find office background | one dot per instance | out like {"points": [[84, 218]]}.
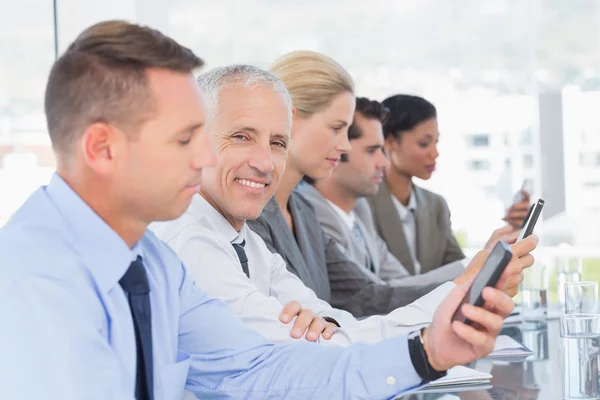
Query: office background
{"points": [[516, 84]]}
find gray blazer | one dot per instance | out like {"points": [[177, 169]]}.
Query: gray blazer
{"points": [[385, 264], [319, 262], [436, 244]]}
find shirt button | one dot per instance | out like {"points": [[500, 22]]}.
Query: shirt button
{"points": [[390, 380]]}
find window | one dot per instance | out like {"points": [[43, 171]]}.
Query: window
{"points": [[27, 52], [526, 137], [479, 165], [479, 81], [590, 136], [591, 185], [479, 140], [589, 159]]}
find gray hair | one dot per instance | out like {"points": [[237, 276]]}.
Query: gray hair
{"points": [[214, 81]]}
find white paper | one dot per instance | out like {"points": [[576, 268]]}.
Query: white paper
{"points": [[460, 375], [508, 347]]}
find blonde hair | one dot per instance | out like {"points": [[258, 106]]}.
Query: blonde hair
{"points": [[312, 79]]}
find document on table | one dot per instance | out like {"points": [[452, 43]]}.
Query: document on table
{"points": [[459, 378], [460, 375], [507, 347]]}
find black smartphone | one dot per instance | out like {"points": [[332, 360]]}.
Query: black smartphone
{"points": [[489, 275], [527, 216], [532, 216]]}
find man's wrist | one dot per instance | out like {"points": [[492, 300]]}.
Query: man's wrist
{"points": [[429, 353], [420, 359]]}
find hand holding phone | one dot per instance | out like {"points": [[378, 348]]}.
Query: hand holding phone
{"points": [[532, 216], [489, 275]]}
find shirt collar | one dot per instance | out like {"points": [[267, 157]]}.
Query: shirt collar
{"points": [[104, 252], [202, 207], [348, 219], [403, 210]]}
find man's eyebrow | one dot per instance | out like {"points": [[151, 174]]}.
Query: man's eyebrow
{"points": [[281, 136], [244, 128], [190, 128]]}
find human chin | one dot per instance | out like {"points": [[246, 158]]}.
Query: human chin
{"points": [[174, 212], [250, 210], [321, 172], [370, 189], [424, 175]]}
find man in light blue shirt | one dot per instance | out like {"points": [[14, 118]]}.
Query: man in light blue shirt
{"points": [[93, 306]]}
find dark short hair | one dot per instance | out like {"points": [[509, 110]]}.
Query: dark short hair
{"points": [[371, 109], [101, 77], [368, 109], [406, 112]]}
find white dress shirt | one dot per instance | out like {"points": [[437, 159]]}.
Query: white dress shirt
{"points": [[348, 218], [409, 225], [350, 221], [202, 238]]}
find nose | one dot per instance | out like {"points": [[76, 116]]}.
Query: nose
{"points": [[381, 160], [343, 145], [261, 158], [205, 155], [435, 153]]}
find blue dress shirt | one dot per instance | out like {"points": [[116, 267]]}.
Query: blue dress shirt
{"points": [[66, 330]]}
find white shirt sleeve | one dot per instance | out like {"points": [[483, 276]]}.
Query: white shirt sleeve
{"points": [[213, 263]]}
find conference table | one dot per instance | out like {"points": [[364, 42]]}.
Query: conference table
{"points": [[535, 377]]}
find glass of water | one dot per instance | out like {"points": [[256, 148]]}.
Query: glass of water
{"points": [[580, 336], [534, 296], [581, 297], [568, 269]]}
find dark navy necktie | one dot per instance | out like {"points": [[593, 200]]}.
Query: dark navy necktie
{"points": [[135, 283], [239, 249]]}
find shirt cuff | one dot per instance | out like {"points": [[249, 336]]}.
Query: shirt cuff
{"points": [[394, 373]]}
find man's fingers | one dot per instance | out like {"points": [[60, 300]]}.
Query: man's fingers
{"points": [[517, 265], [329, 331], [486, 319], [506, 229], [302, 323], [525, 246], [510, 238], [482, 342], [498, 302], [518, 211], [290, 310], [317, 327]]}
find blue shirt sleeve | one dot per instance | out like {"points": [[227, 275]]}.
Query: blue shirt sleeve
{"points": [[228, 360]]}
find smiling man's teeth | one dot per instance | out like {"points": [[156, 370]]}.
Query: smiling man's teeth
{"points": [[250, 184]]}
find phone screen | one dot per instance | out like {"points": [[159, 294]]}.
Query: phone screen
{"points": [[527, 216], [488, 276], [486, 273]]}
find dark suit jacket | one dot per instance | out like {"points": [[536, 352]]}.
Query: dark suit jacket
{"points": [[384, 264], [436, 244], [318, 261]]}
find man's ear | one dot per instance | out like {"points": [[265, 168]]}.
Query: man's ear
{"points": [[389, 144], [98, 147]]}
